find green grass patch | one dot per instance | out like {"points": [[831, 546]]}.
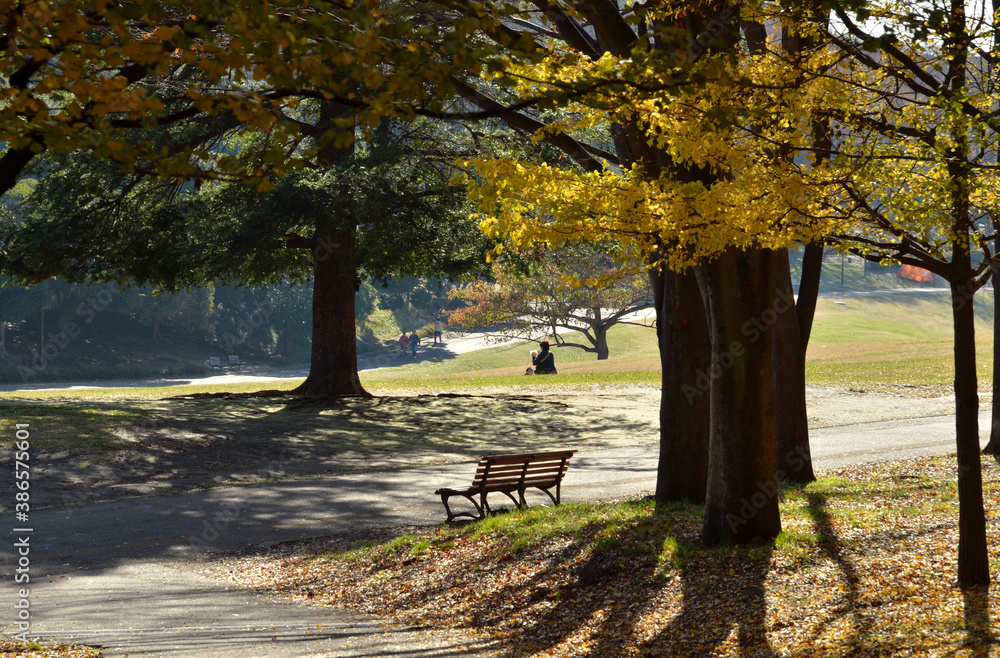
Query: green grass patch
{"points": [[851, 273], [523, 528], [631, 348], [83, 372], [893, 342], [581, 380], [71, 427], [640, 527], [901, 342]]}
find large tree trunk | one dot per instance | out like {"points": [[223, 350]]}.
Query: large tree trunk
{"points": [[682, 470], [742, 494], [333, 368], [333, 365], [789, 370]]}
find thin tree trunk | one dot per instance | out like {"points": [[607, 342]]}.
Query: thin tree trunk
{"points": [[333, 368], [973, 557], [805, 305], [993, 447], [794, 459], [742, 493], [682, 470]]}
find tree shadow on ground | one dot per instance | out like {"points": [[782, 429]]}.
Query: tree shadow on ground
{"points": [[979, 638], [866, 638], [817, 506], [717, 595], [178, 444], [721, 594]]}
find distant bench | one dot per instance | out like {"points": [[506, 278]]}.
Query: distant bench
{"points": [[234, 362], [509, 474]]}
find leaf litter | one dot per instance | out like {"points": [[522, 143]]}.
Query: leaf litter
{"points": [[865, 565]]}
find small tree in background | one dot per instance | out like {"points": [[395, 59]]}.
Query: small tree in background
{"points": [[576, 287]]}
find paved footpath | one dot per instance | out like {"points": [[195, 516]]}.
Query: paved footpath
{"points": [[127, 575]]}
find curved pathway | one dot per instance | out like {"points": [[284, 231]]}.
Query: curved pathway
{"points": [[127, 575]]}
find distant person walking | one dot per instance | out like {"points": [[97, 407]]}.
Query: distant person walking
{"points": [[414, 341], [544, 362], [403, 342], [438, 330]]}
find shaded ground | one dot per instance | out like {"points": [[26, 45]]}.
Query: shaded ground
{"points": [[865, 567], [100, 450]]}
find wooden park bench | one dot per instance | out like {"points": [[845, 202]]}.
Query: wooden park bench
{"points": [[234, 362], [509, 474], [215, 362]]}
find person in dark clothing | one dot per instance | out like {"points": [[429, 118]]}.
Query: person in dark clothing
{"points": [[544, 362], [414, 341]]}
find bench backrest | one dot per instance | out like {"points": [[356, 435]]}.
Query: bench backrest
{"points": [[234, 360], [528, 469], [214, 361]]}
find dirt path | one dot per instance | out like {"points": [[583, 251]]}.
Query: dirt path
{"points": [[146, 447]]}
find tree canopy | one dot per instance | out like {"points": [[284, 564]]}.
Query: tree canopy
{"points": [[96, 76]]}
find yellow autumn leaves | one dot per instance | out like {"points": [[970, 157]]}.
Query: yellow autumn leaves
{"points": [[736, 135]]}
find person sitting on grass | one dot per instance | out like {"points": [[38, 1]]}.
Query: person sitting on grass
{"points": [[544, 362]]}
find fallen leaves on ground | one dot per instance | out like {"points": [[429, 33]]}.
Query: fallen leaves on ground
{"points": [[36, 650], [866, 565]]}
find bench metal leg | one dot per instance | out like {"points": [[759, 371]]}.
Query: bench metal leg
{"points": [[489, 510], [452, 516]]}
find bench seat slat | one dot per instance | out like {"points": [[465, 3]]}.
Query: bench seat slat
{"points": [[532, 455], [530, 468]]}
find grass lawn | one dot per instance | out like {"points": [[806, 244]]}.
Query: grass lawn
{"points": [[896, 342], [865, 566], [899, 343], [632, 350]]}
